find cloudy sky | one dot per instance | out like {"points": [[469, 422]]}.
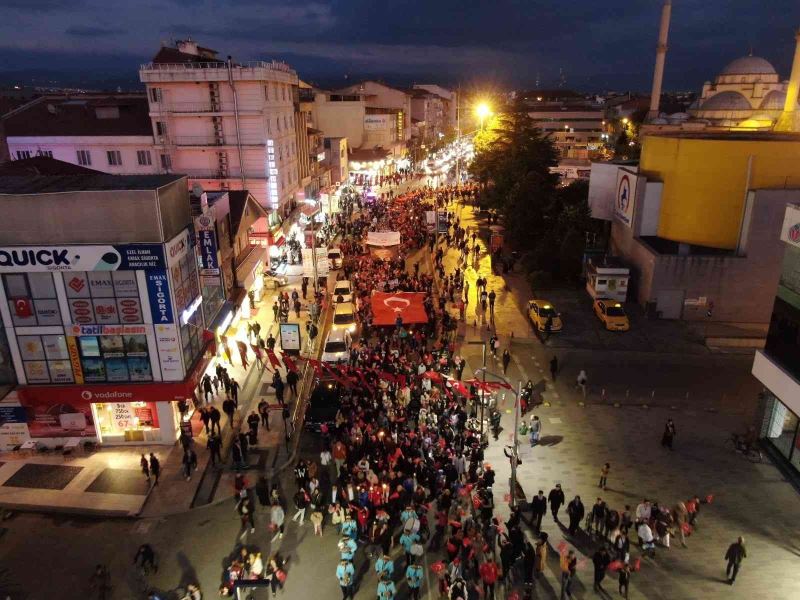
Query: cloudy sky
{"points": [[599, 44]]}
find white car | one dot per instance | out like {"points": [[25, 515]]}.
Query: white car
{"points": [[344, 289], [344, 317], [337, 346], [334, 258]]}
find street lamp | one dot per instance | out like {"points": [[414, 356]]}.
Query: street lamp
{"points": [[482, 111]]}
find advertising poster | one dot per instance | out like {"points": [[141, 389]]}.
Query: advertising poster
{"points": [[308, 263], [13, 426], [430, 221], [47, 417], [290, 337], [322, 262], [129, 257], [441, 220], [169, 352], [158, 292]]}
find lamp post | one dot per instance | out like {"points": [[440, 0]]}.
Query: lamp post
{"points": [[515, 445]]}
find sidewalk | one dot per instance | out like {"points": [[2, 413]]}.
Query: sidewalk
{"points": [[752, 500]]}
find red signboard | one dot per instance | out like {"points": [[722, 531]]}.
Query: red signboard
{"points": [[409, 306]]}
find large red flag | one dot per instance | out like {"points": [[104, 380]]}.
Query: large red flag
{"points": [[273, 359], [289, 363], [409, 306]]}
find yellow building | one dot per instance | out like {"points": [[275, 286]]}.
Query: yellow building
{"points": [[706, 177]]}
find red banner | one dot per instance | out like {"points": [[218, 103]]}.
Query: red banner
{"points": [[289, 363], [273, 359], [409, 306]]}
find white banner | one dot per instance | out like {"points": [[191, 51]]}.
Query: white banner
{"points": [[308, 262], [383, 238], [169, 352]]}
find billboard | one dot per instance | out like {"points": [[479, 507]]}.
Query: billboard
{"points": [[129, 257], [158, 292], [625, 197], [378, 122]]}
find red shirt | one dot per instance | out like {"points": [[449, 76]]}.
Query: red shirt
{"points": [[488, 571]]}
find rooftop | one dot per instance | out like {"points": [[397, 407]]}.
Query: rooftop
{"points": [[81, 115], [727, 135], [41, 165], [368, 154], [53, 184]]}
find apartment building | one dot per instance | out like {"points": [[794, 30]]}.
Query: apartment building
{"points": [[385, 99], [227, 125], [105, 132], [575, 124]]}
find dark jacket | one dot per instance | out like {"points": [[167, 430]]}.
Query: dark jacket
{"points": [[736, 553], [539, 505], [556, 497], [575, 509]]}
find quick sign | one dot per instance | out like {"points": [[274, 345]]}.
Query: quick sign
{"points": [[22, 259], [177, 247], [158, 292]]}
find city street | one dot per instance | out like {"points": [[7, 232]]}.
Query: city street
{"points": [[690, 387]]}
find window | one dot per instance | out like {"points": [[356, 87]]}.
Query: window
{"points": [[166, 162], [114, 358], [114, 158], [266, 92], [278, 123], [32, 299], [45, 358], [23, 154], [143, 158], [103, 297], [284, 122], [783, 337], [184, 281], [161, 128], [47, 153], [84, 157], [283, 92], [155, 94]]}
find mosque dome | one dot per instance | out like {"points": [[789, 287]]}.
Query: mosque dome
{"points": [[774, 100], [726, 101], [749, 65]]}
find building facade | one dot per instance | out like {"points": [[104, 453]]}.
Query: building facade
{"points": [[108, 133], [228, 126], [100, 303], [777, 366]]}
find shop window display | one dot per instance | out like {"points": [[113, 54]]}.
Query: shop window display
{"points": [[780, 429], [114, 358], [128, 420]]}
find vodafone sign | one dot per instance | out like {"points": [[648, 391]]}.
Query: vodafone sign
{"points": [[83, 394]]}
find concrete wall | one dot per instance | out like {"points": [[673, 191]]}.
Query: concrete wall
{"points": [[741, 288], [603, 189], [118, 216], [340, 119]]}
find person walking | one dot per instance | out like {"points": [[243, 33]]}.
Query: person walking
{"points": [[535, 430], [263, 413], [489, 574], [556, 500], [604, 475], [214, 416], [277, 518], [301, 502], [229, 407], [506, 360], [345, 574], [576, 512], [214, 445], [145, 467], [414, 576], [624, 580], [735, 555], [554, 368], [669, 434], [568, 564], [386, 589], [155, 468], [189, 463], [492, 298], [601, 560], [207, 388], [538, 508], [582, 381], [235, 391], [291, 380]]}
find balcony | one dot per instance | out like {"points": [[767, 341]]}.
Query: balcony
{"points": [[212, 174], [217, 71], [200, 108], [210, 140]]}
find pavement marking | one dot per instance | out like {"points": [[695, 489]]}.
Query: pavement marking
{"points": [[555, 420], [142, 527]]}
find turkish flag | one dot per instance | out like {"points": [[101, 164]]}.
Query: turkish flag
{"points": [[23, 308], [409, 306], [289, 363], [273, 359]]}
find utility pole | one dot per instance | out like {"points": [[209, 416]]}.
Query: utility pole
{"points": [[515, 450]]}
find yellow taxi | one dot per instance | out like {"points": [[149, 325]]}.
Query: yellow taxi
{"points": [[612, 314], [540, 311]]}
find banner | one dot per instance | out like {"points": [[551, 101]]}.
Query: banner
{"points": [[169, 352], [430, 221], [441, 219], [129, 257], [409, 306], [208, 252], [158, 291], [383, 238]]}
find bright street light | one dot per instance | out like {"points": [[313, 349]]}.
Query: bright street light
{"points": [[482, 111]]}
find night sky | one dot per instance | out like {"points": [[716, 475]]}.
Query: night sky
{"points": [[600, 45]]}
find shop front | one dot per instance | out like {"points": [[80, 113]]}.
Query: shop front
{"points": [[779, 428]]}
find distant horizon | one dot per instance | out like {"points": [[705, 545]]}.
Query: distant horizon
{"points": [[505, 45]]}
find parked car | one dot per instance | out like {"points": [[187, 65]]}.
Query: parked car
{"points": [[337, 346], [612, 314], [344, 289], [274, 280], [539, 311], [323, 404], [334, 258], [344, 317]]}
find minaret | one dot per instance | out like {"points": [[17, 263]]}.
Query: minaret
{"points": [[788, 119], [661, 55]]}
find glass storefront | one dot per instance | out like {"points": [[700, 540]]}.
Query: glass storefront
{"points": [[780, 428], [126, 421]]}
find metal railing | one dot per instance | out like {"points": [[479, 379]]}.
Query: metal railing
{"points": [[211, 140], [198, 66]]}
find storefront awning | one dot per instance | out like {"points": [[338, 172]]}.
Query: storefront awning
{"points": [[246, 271]]}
